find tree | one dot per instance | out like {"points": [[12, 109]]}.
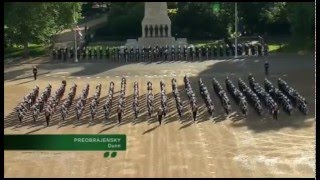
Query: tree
{"points": [[124, 21], [36, 22], [301, 16]]}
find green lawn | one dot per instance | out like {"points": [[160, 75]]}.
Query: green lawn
{"points": [[274, 47], [17, 51], [287, 47]]}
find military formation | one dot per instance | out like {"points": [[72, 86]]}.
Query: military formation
{"points": [[251, 96], [268, 101], [53, 102], [226, 104], [135, 103], [150, 99], [95, 101], [82, 101], [271, 97], [177, 97], [120, 109], [163, 109], [238, 96], [206, 97], [191, 96], [28, 101], [68, 102], [108, 103], [156, 53], [282, 99], [299, 101]]}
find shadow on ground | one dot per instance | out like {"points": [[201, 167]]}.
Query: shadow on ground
{"points": [[279, 67]]}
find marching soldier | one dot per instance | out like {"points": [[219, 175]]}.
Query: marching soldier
{"points": [[119, 111], [35, 71], [194, 111]]}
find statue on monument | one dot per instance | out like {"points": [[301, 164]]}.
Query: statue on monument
{"points": [[156, 27]]}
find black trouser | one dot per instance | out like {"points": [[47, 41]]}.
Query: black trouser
{"points": [[194, 115], [179, 112], [266, 69], [47, 119], [275, 115], [35, 76], [119, 117], [159, 118]]}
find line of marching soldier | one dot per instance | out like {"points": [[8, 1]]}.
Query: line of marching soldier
{"points": [[222, 95], [299, 101], [81, 103], [28, 101], [121, 106], [251, 96], [38, 107], [135, 103], [54, 101], [266, 98], [95, 102], [163, 109], [278, 96], [108, 103], [68, 102], [157, 53], [150, 98], [206, 97], [176, 96], [191, 96], [238, 96]]}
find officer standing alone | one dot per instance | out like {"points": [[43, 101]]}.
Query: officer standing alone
{"points": [[35, 71], [266, 67]]}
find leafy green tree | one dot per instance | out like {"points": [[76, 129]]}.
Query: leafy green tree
{"points": [[301, 16], [124, 21], [36, 22]]}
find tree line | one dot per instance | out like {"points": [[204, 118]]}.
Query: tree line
{"points": [[37, 22], [198, 20]]}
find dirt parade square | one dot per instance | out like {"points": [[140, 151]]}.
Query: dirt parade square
{"points": [[159, 90], [227, 126]]}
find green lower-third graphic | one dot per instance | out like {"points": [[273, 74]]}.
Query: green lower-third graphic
{"points": [[67, 142]]}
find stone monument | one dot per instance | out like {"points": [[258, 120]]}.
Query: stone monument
{"points": [[156, 27]]}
